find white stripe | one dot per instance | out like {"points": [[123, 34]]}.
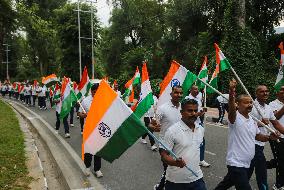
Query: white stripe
{"points": [[145, 89], [180, 76], [222, 56], [117, 113]]}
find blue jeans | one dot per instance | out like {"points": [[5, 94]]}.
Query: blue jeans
{"points": [[196, 185], [259, 164]]}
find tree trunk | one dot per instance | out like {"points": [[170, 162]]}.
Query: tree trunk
{"points": [[241, 13]]}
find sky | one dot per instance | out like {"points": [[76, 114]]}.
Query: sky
{"points": [[104, 12]]}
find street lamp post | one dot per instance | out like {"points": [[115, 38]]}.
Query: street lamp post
{"points": [[7, 60]]}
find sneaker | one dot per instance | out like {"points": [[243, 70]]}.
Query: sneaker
{"points": [[154, 148], [67, 135], [99, 174], [45, 108], [78, 117], [56, 131], [71, 125], [81, 132], [204, 164], [156, 186], [274, 187], [40, 108], [143, 141], [87, 172]]}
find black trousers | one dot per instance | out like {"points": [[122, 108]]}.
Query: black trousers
{"points": [[278, 152], [28, 99], [258, 164], [147, 122], [163, 177], [88, 161], [34, 99], [65, 123], [237, 177], [71, 115]]}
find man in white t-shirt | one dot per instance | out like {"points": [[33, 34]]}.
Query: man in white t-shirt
{"points": [[222, 107], [197, 96], [277, 148], [147, 119], [243, 131], [167, 115], [264, 113], [184, 139], [86, 104]]}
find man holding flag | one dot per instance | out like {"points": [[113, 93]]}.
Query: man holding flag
{"points": [[86, 104]]}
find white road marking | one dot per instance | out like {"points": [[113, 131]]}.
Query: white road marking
{"points": [[211, 153]]}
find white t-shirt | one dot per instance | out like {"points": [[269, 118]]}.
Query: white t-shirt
{"points": [[4, 88], [267, 114], [185, 143], [198, 98], [241, 145], [151, 111], [27, 90], [168, 115], [86, 103], [223, 100], [276, 105], [34, 90]]}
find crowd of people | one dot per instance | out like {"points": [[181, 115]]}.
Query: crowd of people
{"points": [[180, 127]]}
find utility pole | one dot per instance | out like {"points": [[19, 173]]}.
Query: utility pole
{"points": [[7, 60], [79, 38], [86, 38]]}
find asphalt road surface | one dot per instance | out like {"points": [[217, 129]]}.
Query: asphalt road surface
{"points": [[139, 168]]}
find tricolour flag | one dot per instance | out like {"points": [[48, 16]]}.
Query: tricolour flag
{"points": [[84, 85], [222, 64], [177, 76], [221, 59], [68, 98], [128, 95], [280, 80], [111, 127], [146, 99], [203, 74], [56, 94], [49, 79]]}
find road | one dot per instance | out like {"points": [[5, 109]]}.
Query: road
{"points": [[139, 168]]}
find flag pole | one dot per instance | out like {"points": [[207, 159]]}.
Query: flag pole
{"points": [[247, 92], [167, 149], [254, 118]]}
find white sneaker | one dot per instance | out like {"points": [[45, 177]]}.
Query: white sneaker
{"points": [[99, 174], [67, 135], [275, 188], [143, 141], [56, 131], [72, 125], [156, 186], [87, 172], [154, 148], [204, 164]]}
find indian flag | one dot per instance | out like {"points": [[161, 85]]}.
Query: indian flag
{"points": [[222, 64], [177, 76], [203, 74], [49, 79], [56, 94], [280, 80], [146, 97], [68, 97], [221, 59], [128, 95], [84, 85], [214, 80], [111, 127]]}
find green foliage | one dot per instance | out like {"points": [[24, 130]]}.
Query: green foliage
{"points": [[13, 171]]}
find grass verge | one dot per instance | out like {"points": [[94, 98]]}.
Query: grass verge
{"points": [[13, 170]]}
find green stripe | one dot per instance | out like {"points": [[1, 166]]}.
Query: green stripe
{"points": [[67, 103], [136, 80], [125, 136], [144, 105], [279, 85], [188, 82], [213, 83], [224, 64]]}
